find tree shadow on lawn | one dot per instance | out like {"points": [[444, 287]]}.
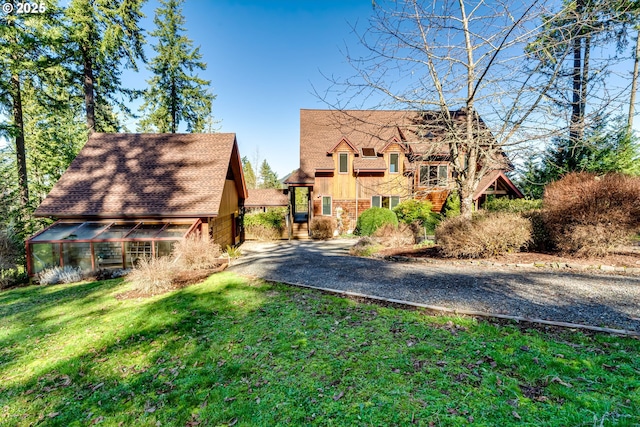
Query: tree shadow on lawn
{"points": [[540, 294], [194, 356], [181, 320]]}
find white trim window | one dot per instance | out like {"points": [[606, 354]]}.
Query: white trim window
{"points": [[326, 205], [434, 175], [394, 163], [343, 160], [388, 202]]}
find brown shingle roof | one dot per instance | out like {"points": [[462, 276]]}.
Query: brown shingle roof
{"points": [[146, 175], [260, 197], [321, 130]]}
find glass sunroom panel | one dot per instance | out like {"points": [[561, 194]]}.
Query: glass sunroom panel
{"points": [[77, 255], [44, 255], [117, 230], [175, 230], [57, 231], [87, 231], [165, 247], [137, 251], [108, 254], [145, 231]]}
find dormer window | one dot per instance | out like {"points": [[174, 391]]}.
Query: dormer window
{"points": [[344, 162], [394, 163]]}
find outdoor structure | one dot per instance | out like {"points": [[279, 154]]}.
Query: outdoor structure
{"points": [[354, 159], [261, 199], [127, 196]]}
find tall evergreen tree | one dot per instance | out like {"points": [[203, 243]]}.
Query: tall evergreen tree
{"points": [[249, 175], [28, 52], [268, 178], [103, 37], [175, 93]]}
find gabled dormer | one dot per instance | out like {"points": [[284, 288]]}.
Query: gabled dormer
{"points": [[394, 153], [343, 153]]}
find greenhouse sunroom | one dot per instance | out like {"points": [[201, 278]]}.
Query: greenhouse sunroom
{"points": [[97, 245]]}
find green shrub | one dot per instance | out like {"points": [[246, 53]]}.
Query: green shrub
{"points": [[411, 211], [451, 207], [486, 234], [504, 204], [374, 218], [12, 277], [590, 215], [267, 225], [322, 227]]}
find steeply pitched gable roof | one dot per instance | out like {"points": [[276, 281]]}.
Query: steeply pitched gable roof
{"points": [[321, 130], [147, 175]]}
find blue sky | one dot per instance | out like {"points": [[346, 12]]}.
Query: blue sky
{"points": [[263, 59]]}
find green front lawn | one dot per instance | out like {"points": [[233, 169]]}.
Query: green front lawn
{"points": [[231, 351]]}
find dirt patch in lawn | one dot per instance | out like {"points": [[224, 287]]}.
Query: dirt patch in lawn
{"points": [[182, 280], [625, 257]]}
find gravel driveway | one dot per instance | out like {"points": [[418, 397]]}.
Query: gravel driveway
{"points": [[594, 299]]}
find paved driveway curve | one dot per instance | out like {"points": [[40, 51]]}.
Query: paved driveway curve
{"points": [[593, 299]]}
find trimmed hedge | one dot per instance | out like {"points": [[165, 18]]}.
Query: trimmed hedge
{"points": [[504, 204], [374, 218], [267, 225]]}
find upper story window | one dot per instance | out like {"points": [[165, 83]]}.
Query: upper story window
{"points": [[394, 163], [344, 162], [433, 175]]}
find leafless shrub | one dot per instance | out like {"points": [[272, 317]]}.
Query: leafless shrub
{"points": [[587, 215], [391, 236], [322, 227], [366, 246], [153, 275], [486, 234], [194, 253], [262, 232]]}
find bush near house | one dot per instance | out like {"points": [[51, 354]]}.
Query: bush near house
{"points": [[322, 227], [411, 210], [486, 234], [267, 225], [374, 218], [589, 215], [391, 236], [530, 209]]}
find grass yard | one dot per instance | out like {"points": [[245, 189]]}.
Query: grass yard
{"points": [[231, 351]]}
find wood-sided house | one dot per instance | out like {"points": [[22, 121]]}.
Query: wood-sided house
{"points": [[353, 160], [127, 196]]}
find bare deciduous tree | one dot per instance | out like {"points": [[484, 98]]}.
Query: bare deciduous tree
{"points": [[471, 66]]}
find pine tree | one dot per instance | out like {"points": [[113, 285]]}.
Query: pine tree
{"points": [[175, 94], [28, 52], [249, 175], [103, 36], [268, 178]]}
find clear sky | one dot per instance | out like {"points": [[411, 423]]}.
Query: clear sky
{"points": [[263, 59]]}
